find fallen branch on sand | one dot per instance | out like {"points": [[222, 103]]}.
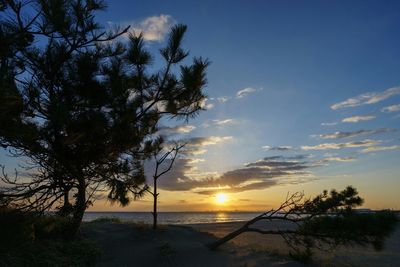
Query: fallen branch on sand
{"points": [[323, 222]]}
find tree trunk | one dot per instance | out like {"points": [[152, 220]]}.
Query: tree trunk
{"points": [[79, 209], [155, 195], [226, 238], [66, 209]]}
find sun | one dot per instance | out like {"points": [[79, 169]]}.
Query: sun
{"points": [[221, 198]]}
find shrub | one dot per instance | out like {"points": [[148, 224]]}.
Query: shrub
{"points": [[27, 239]]}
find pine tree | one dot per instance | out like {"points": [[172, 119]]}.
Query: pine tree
{"points": [[82, 106]]}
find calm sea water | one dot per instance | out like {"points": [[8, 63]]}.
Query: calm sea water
{"points": [[174, 217]]}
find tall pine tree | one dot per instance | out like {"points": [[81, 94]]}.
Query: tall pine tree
{"points": [[82, 107]]}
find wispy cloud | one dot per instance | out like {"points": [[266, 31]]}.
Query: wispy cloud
{"points": [[339, 159], [153, 28], [367, 98], [380, 148], [177, 129], [339, 135], [277, 148], [244, 92], [193, 151], [392, 108], [328, 123], [355, 119], [223, 99], [195, 160], [195, 145], [223, 122], [324, 146], [206, 141]]}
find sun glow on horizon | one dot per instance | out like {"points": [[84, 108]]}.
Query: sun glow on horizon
{"points": [[221, 198]]}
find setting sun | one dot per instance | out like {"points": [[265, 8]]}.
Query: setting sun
{"points": [[221, 198]]}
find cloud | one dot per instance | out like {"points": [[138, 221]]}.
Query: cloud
{"points": [[287, 164], [328, 123], [193, 151], [223, 99], [206, 105], [338, 135], [177, 179], [180, 129], [367, 98], [277, 148], [195, 145], [223, 122], [206, 141], [244, 92], [339, 159], [325, 146], [296, 157], [380, 148], [392, 108], [262, 174], [209, 106], [153, 28], [355, 119], [194, 161], [258, 175]]}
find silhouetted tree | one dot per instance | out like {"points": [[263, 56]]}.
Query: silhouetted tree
{"points": [[322, 222], [81, 107], [164, 156]]}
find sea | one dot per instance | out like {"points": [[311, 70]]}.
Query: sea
{"points": [[173, 217]]}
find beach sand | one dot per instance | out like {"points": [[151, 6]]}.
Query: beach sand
{"points": [[124, 244], [342, 256]]}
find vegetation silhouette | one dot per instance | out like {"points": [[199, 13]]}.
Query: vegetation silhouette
{"points": [[28, 239], [323, 222], [82, 104], [164, 157]]}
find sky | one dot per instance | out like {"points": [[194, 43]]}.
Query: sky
{"points": [[302, 96]]}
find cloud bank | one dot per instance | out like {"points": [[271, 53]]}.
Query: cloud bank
{"points": [[258, 175]]}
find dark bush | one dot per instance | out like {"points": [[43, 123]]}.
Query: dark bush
{"points": [[27, 239], [16, 227]]}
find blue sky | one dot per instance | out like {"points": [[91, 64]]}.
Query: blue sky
{"points": [[297, 59], [318, 79]]}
